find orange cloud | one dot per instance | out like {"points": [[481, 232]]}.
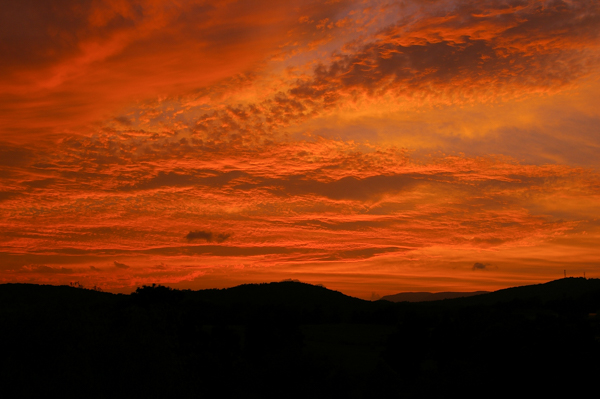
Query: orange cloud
{"points": [[66, 67], [456, 55], [356, 144], [295, 204]]}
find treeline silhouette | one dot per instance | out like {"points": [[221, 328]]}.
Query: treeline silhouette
{"points": [[291, 339]]}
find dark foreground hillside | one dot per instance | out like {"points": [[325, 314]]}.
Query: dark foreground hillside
{"points": [[296, 340]]}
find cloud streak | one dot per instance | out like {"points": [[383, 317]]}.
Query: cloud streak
{"points": [[480, 266], [474, 52], [119, 265], [208, 236]]}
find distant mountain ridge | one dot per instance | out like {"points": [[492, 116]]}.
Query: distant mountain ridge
{"points": [[259, 340], [290, 293], [294, 294], [279, 300], [428, 296], [565, 288]]}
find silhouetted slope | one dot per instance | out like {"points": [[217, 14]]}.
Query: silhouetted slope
{"points": [[159, 342], [291, 339], [236, 304], [537, 339], [570, 288], [567, 288], [33, 295], [304, 303], [428, 296], [287, 293]]}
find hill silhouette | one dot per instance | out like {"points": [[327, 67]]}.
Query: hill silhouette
{"points": [[259, 340], [570, 288], [428, 296], [34, 295], [566, 288], [286, 293], [296, 294]]}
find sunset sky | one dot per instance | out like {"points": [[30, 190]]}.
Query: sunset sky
{"points": [[373, 147]]}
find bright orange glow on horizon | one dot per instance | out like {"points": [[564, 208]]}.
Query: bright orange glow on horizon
{"points": [[370, 146]]}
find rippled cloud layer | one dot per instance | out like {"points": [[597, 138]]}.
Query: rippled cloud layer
{"points": [[369, 146]]}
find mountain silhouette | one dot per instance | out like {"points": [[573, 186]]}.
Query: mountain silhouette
{"points": [[570, 288], [428, 296], [288, 293], [295, 340]]}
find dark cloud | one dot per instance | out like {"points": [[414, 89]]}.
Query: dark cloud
{"points": [[162, 266], [349, 187], [480, 266], [44, 165], [36, 33], [43, 183], [11, 155], [519, 48], [7, 195], [120, 265], [208, 236], [472, 52], [123, 120]]}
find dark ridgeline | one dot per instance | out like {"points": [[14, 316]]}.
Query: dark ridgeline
{"points": [[428, 296], [291, 339]]}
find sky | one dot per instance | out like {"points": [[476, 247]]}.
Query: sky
{"points": [[373, 146]]}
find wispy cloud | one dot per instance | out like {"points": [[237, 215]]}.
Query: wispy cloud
{"points": [[348, 138], [208, 236], [480, 266], [119, 265]]}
